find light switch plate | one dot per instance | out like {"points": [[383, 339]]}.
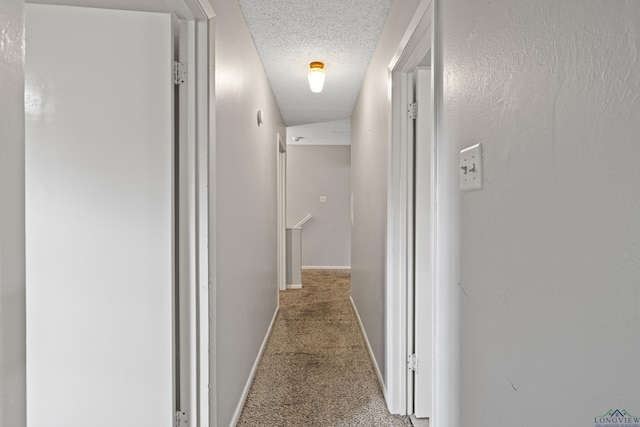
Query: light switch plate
{"points": [[471, 168], [323, 199]]}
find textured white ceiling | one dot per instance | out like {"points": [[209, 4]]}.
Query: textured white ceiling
{"points": [[289, 34], [327, 133]]}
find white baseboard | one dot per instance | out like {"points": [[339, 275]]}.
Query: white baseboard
{"points": [[294, 286], [247, 387], [419, 422], [371, 355], [326, 267]]}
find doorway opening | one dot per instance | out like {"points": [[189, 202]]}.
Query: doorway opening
{"points": [[420, 325], [102, 185], [318, 198]]}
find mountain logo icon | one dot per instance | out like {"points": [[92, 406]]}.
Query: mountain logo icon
{"points": [[617, 413]]}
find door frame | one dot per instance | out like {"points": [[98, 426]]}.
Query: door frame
{"points": [[282, 213], [422, 35], [196, 100], [413, 47], [421, 338], [146, 311], [197, 369], [399, 255]]}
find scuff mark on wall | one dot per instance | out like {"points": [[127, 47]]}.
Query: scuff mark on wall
{"points": [[464, 292]]}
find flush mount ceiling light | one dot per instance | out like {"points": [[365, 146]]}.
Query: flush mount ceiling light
{"points": [[316, 76]]}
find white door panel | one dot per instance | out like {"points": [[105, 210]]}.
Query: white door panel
{"points": [[424, 250], [99, 180]]}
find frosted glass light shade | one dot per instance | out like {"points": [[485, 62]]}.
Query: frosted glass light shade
{"points": [[316, 76]]}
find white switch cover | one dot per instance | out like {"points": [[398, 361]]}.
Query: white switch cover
{"points": [[323, 199], [471, 168]]}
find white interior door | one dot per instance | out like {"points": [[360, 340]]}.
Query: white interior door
{"points": [[99, 218], [424, 247]]}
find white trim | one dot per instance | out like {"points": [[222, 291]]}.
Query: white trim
{"points": [[281, 158], [419, 39], [197, 104], [447, 316], [326, 267], [302, 222], [186, 243], [424, 246], [424, 32], [399, 262], [208, 185], [298, 286], [206, 138], [252, 374], [192, 10], [419, 422], [371, 355], [399, 244], [207, 9]]}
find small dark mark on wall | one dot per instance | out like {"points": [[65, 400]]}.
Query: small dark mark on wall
{"points": [[463, 292]]}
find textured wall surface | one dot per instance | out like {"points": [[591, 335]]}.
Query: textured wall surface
{"points": [[12, 264], [551, 244], [369, 139], [314, 171], [246, 205]]}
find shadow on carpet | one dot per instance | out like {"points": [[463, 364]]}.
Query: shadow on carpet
{"points": [[315, 370]]}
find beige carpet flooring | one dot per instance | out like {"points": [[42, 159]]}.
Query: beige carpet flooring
{"points": [[316, 370]]}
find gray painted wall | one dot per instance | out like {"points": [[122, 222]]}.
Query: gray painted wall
{"points": [[369, 142], [313, 171], [12, 255], [550, 246], [245, 184]]}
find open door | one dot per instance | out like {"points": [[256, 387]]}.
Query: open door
{"points": [[99, 218]]}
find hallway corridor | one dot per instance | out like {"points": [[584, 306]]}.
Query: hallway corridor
{"points": [[316, 370]]}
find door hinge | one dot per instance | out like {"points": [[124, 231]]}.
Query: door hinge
{"points": [[413, 110], [179, 73], [412, 362], [182, 420]]}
